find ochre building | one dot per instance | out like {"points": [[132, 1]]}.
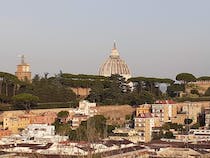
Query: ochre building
{"points": [[23, 70]]}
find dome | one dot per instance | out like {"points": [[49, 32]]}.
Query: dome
{"points": [[114, 65]]}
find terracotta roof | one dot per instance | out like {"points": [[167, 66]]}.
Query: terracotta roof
{"points": [[165, 102]]}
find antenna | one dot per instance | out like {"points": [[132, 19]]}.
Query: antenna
{"points": [[22, 58], [114, 45], [114, 51]]}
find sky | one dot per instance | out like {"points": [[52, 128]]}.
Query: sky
{"points": [[156, 38]]}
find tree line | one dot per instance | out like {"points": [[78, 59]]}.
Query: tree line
{"points": [[104, 90]]}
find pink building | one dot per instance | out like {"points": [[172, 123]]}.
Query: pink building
{"points": [[45, 118], [4, 133]]}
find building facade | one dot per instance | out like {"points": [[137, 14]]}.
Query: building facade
{"points": [[164, 111], [143, 109], [195, 135], [15, 124], [39, 130], [207, 118], [144, 124]]}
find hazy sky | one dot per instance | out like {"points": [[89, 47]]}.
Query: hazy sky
{"points": [[156, 37]]}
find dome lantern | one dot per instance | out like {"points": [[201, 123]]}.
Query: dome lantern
{"points": [[114, 52]]}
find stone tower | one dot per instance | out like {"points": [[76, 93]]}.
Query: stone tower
{"points": [[23, 70]]}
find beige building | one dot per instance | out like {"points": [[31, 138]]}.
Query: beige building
{"points": [[155, 115], [207, 117], [179, 118], [165, 111], [125, 133], [193, 110], [195, 135], [15, 124], [23, 70]]}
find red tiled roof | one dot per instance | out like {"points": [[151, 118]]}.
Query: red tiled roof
{"points": [[165, 102]]}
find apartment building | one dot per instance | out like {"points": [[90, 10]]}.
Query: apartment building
{"points": [[195, 135], [144, 124], [165, 111]]}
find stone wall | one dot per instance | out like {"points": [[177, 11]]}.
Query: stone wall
{"points": [[115, 114], [36, 111], [201, 86]]}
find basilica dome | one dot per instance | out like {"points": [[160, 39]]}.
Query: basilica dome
{"points": [[114, 65]]}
